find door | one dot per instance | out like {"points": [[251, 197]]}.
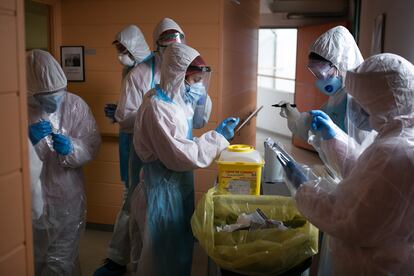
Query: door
{"points": [[16, 249]]}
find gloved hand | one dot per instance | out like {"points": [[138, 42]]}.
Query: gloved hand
{"points": [[291, 114], [62, 144], [294, 174], [39, 130], [322, 123], [227, 126], [110, 111]]}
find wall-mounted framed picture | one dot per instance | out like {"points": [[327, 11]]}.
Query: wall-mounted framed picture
{"points": [[72, 59], [377, 42]]}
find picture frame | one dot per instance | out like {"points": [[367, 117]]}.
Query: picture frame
{"points": [[377, 42], [72, 60]]}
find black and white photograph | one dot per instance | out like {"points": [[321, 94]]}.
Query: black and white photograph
{"points": [[72, 60]]}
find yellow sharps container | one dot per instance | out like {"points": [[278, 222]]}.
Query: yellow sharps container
{"points": [[240, 170]]}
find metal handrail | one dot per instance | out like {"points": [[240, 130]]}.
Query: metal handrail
{"points": [[275, 77]]}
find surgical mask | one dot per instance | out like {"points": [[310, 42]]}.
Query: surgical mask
{"points": [[193, 92], [50, 102], [126, 60], [330, 85]]}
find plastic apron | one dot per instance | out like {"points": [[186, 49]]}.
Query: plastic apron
{"points": [[337, 112], [168, 241]]}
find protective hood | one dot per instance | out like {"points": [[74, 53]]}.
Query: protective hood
{"points": [[132, 38], [338, 46], [164, 25], [384, 86], [176, 59], [43, 73]]}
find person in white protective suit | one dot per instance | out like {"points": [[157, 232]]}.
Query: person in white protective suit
{"points": [[330, 56], [170, 154], [165, 33], [140, 74], [369, 214], [65, 136]]}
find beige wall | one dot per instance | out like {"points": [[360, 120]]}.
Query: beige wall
{"points": [[213, 27], [15, 212], [240, 53], [399, 26]]}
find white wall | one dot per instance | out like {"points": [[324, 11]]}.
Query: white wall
{"points": [[399, 26], [269, 118]]}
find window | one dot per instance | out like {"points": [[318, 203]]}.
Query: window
{"points": [[277, 59]]}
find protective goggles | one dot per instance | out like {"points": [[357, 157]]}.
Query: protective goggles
{"points": [[168, 39], [197, 69], [322, 70]]}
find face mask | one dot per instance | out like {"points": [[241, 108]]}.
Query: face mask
{"points": [[126, 60], [51, 102], [329, 86], [194, 92]]}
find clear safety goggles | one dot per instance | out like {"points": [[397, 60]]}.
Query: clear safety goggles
{"points": [[168, 39], [322, 70]]}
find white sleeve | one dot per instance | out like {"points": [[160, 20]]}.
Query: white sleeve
{"points": [[301, 125], [131, 99], [85, 139], [369, 207], [339, 153], [169, 130]]}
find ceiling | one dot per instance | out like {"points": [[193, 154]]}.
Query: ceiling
{"points": [[295, 13]]}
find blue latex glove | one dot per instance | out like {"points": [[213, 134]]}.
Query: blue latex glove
{"points": [[322, 123], [227, 126], [294, 174], [62, 144], [39, 130], [110, 111]]}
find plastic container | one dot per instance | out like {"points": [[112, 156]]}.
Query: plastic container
{"points": [[240, 170], [273, 171], [261, 252]]}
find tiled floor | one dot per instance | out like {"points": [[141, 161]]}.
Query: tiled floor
{"points": [[93, 248], [94, 243]]}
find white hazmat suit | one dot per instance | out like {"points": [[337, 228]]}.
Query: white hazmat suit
{"points": [[169, 156], [337, 46], [369, 214], [135, 83], [57, 232]]}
